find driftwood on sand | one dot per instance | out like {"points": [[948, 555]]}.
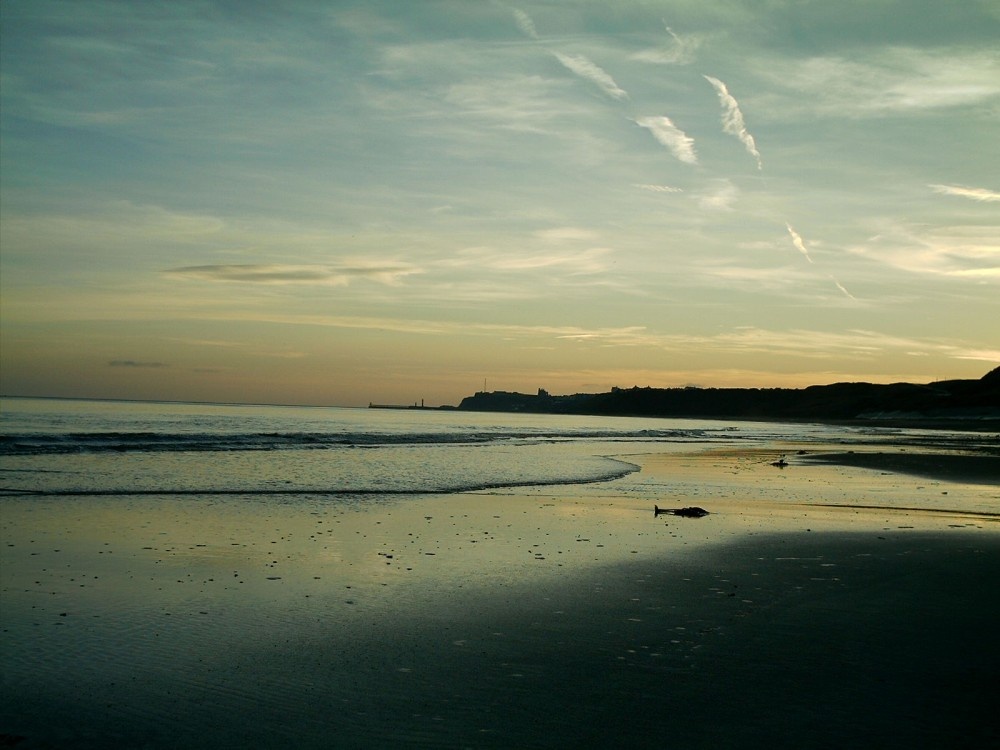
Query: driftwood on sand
{"points": [[691, 512]]}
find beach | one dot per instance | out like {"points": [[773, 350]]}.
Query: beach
{"points": [[818, 605]]}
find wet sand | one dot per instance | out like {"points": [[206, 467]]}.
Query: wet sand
{"points": [[550, 618], [960, 467]]}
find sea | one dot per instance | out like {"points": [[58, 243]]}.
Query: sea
{"points": [[63, 447]]}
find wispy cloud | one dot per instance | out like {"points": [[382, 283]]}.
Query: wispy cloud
{"points": [[736, 273], [136, 364], [960, 252], [841, 287], [857, 343], [221, 343], [385, 273], [675, 139], [589, 261], [611, 336], [514, 102], [798, 241], [679, 51], [560, 234], [976, 194], [586, 262], [592, 72], [719, 196], [795, 283], [732, 119], [897, 79], [524, 23], [659, 188], [251, 348], [795, 342]]}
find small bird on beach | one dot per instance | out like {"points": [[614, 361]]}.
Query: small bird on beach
{"points": [[781, 463]]}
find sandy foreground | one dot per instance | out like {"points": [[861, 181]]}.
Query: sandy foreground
{"points": [[820, 605]]}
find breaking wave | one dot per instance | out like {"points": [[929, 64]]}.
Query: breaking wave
{"points": [[153, 442]]}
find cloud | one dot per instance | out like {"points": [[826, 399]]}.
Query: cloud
{"points": [[659, 188], [736, 273], [387, 273], [590, 261], [680, 51], [798, 241], [588, 70], [796, 342], [206, 342], [266, 274], [560, 234], [795, 283], [732, 119], [976, 194], [897, 79], [524, 23], [134, 363], [587, 262], [720, 196], [621, 336], [513, 102], [841, 287], [960, 252], [852, 343], [979, 355], [668, 134], [801, 245]]}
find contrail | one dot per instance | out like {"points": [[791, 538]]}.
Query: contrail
{"points": [[976, 194], [671, 136], [798, 242], [671, 32], [680, 52], [524, 23], [732, 119], [594, 73], [801, 245], [841, 288]]}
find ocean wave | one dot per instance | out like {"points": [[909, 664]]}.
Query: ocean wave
{"points": [[608, 470], [156, 442]]}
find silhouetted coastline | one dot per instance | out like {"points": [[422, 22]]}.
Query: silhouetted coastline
{"points": [[961, 404]]}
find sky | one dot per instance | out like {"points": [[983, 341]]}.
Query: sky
{"points": [[401, 200]]}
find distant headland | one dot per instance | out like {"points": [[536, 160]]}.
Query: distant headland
{"points": [[373, 405], [974, 403]]}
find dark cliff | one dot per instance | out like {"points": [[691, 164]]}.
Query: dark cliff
{"points": [[942, 400]]}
